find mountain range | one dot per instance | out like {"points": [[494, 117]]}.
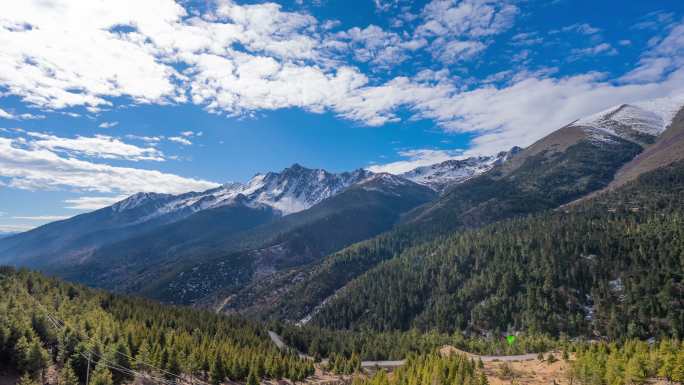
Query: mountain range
{"points": [[306, 245]]}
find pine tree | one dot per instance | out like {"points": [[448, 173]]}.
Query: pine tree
{"points": [[218, 372], [636, 371], [615, 372], [101, 375], [120, 357], [67, 376], [252, 378], [26, 379], [678, 371], [22, 351], [144, 357], [667, 366], [38, 359]]}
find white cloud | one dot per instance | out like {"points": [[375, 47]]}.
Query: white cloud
{"points": [[665, 55], [473, 18], [93, 203], [385, 5], [582, 28], [42, 218], [521, 113], [14, 228], [7, 115], [180, 140], [527, 38], [655, 20], [148, 139], [599, 49], [108, 124], [460, 28], [417, 158], [41, 169], [98, 146], [238, 59], [377, 46], [64, 53]]}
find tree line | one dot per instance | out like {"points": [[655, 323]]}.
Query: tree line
{"points": [[611, 266], [631, 363], [45, 322]]}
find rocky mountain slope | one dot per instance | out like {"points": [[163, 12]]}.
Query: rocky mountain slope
{"points": [[292, 190], [608, 266], [442, 175], [285, 244], [233, 240], [568, 164]]}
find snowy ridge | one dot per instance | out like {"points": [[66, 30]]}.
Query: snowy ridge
{"points": [[650, 117], [442, 175], [294, 189], [299, 188]]}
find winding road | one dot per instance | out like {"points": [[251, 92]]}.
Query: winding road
{"points": [[280, 343]]}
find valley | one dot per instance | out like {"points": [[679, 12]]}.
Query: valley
{"points": [[573, 244]]}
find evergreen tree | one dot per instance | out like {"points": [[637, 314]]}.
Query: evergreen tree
{"points": [[218, 372], [101, 375], [636, 370], [67, 376], [26, 379], [678, 370], [252, 379]]}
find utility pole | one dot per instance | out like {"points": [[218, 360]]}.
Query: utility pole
{"points": [[88, 371]]}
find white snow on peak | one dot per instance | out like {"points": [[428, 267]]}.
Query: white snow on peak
{"points": [[439, 176], [294, 189], [383, 182], [650, 117], [137, 200]]}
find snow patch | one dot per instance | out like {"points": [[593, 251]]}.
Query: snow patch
{"points": [[442, 175], [649, 117]]}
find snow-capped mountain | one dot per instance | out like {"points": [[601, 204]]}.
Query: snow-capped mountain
{"points": [[633, 122], [442, 175], [294, 189]]}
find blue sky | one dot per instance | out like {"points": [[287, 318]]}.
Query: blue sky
{"points": [[99, 100]]}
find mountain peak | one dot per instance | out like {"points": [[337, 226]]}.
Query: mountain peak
{"points": [[137, 200], [439, 176], [631, 121]]}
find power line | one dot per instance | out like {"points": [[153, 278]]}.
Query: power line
{"points": [[59, 325]]}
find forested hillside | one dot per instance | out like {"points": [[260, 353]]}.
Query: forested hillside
{"points": [[556, 170], [610, 266], [432, 369], [47, 323], [634, 362]]}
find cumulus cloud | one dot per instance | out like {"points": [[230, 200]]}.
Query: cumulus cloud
{"points": [[41, 169], [377, 46], [26, 116], [58, 54], [108, 124], [238, 59], [460, 28], [599, 49], [581, 28], [180, 140], [521, 113], [664, 56], [98, 146]]}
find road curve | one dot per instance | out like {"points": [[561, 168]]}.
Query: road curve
{"points": [[278, 341]]}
